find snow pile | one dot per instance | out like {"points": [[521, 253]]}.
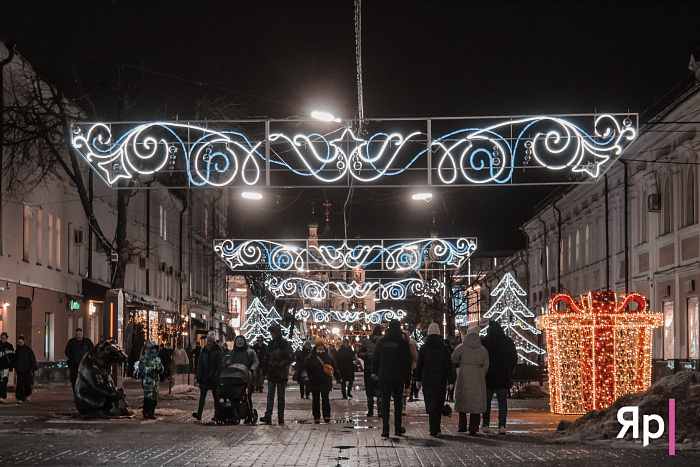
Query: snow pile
{"points": [[531, 391], [684, 387], [180, 391]]}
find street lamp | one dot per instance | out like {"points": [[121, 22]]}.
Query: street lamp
{"points": [[324, 116], [251, 195]]}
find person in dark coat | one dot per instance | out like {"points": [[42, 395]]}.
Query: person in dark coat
{"points": [[434, 374], [25, 366], [314, 375], [503, 356], [345, 358], [166, 358], [261, 351], [391, 367], [366, 352], [207, 368], [195, 357], [300, 358], [7, 358], [279, 357], [76, 348]]}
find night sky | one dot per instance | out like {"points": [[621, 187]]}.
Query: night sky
{"points": [[420, 59]]}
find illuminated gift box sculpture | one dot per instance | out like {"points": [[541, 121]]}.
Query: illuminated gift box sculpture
{"points": [[597, 350]]}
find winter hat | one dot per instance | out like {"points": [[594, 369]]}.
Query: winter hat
{"points": [[394, 325], [377, 331], [434, 328], [473, 330], [20, 337], [211, 336], [320, 341], [4, 334], [150, 345]]}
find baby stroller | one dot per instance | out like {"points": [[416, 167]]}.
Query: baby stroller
{"points": [[233, 396]]}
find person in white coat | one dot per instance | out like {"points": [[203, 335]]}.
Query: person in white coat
{"points": [[472, 360]]}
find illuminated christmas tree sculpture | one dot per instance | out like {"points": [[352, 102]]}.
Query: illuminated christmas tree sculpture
{"points": [[293, 336], [258, 320], [510, 312], [418, 337]]}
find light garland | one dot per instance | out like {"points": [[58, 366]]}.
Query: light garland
{"points": [[259, 320], [509, 311], [417, 336], [293, 336], [473, 155], [597, 351], [349, 316], [316, 290], [380, 254]]}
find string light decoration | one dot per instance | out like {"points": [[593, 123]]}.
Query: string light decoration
{"points": [[349, 316], [417, 336], [510, 312], [310, 289], [597, 350], [258, 320], [293, 336], [480, 152], [384, 255]]}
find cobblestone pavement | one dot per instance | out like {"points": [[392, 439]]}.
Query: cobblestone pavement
{"points": [[46, 431]]}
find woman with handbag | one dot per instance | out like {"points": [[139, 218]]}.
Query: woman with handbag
{"points": [[434, 375], [319, 369]]}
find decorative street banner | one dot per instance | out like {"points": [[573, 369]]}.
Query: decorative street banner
{"points": [[597, 350], [349, 316], [309, 289], [390, 152], [372, 254]]}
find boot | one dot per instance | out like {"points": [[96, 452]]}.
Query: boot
{"points": [[146, 408], [370, 406], [152, 412]]}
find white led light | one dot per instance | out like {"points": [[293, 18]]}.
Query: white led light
{"points": [[422, 197], [324, 116], [251, 195]]}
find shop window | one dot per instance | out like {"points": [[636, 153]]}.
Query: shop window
{"points": [[49, 335]]}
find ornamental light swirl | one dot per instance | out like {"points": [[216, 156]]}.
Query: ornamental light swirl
{"points": [[412, 255], [469, 155], [349, 316], [310, 289]]}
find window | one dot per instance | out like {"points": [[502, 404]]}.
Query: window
{"points": [[667, 209], [49, 236], [693, 328], [38, 212], [690, 217], [58, 243], [668, 329], [578, 247], [49, 335], [163, 223], [587, 245], [643, 219], [25, 242]]}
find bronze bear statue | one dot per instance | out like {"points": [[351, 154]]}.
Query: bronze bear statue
{"points": [[95, 391]]}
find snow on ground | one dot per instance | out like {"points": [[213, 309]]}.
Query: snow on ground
{"points": [[684, 387]]}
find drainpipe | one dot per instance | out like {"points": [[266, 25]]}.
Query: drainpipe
{"points": [[627, 255], [559, 246], [10, 46], [607, 237]]}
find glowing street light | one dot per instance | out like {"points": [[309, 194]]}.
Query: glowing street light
{"points": [[324, 116], [251, 195], [422, 197]]}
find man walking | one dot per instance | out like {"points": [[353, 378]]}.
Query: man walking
{"points": [[207, 371], [391, 366], [365, 352], [279, 357], [76, 349], [7, 357], [503, 357], [261, 352], [345, 359]]}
